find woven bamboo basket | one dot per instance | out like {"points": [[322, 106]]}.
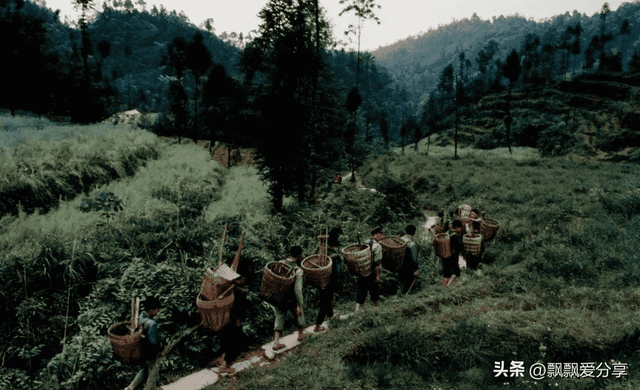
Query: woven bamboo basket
{"points": [[213, 285], [489, 228], [277, 282], [317, 270], [463, 211], [472, 243], [216, 314], [358, 259], [442, 245], [126, 346], [393, 249]]}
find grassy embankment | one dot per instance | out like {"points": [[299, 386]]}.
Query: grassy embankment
{"points": [[561, 284], [44, 163]]}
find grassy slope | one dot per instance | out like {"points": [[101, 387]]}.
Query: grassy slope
{"points": [[567, 255], [560, 287], [44, 164], [593, 115]]}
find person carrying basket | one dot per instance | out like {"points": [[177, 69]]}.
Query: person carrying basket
{"points": [[232, 340], [408, 272], [370, 284], [474, 259], [151, 344], [294, 303], [450, 266], [326, 294]]}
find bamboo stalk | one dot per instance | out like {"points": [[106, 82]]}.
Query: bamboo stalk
{"points": [[224, 238]]}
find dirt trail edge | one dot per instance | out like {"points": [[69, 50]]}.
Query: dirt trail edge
{"points": [[257, 358]]}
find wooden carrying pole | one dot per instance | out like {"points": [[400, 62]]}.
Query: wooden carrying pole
{"points": [[236, 260], [323, 243], [224, 238], [135, 313]]}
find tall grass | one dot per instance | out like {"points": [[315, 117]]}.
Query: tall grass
{"points": [[40, 167]]}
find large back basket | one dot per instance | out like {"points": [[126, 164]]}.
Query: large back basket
{"points": [[277, 282], [442, 245], [393, 249], [489, 228], [472, 243], [127, 346], [216, 314], [357, 257], [317, 270], [464, 211]]}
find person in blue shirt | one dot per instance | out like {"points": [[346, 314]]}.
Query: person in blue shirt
{"points": [[151, 344]]}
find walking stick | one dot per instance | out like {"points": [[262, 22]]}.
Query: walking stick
{"points": [[409, 290], [153, 373]]}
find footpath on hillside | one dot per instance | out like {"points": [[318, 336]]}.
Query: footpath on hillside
{"points": [[265, 355]]}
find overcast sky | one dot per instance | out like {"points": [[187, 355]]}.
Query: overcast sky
{"points": [[399, 18]]}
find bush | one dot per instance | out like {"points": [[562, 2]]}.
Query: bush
{"points": [[557, 140]]}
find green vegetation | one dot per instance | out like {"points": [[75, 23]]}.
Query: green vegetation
{"points": [[560, 285], [42, 166]]}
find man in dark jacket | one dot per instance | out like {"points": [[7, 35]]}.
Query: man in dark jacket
{"points": [[232, 340], [326, 294], [370, 284]]}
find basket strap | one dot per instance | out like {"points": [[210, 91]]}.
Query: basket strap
{"points": [[226, 291]]}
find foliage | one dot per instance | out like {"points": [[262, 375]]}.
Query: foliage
{"points": [[40, 168]]}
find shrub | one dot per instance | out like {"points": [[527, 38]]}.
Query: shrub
{"points": [[557, 140]]}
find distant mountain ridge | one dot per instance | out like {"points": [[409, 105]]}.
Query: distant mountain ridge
{"points": [[417, 62]]}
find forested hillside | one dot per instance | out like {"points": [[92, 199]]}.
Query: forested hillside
{"points": [[418, 61]]}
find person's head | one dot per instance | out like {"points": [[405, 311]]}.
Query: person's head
{"points": [[474, 214], [441, 215], [456, 226], [295, 252], [410, 230], [337, 178], [151, 306], [377, 233], [334, 237]]}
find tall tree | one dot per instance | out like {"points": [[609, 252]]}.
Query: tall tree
{"points": [[485, 59], [279, 67], [363, 10], [459, 101], [198, 60], [604, 37], [625, 30], [511, 70], [576, 49]]}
